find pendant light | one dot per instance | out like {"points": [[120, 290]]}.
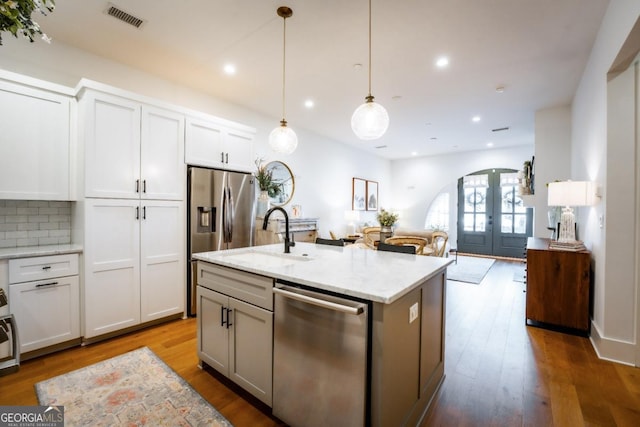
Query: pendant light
{"points": [[283, 139], [370, 120]]}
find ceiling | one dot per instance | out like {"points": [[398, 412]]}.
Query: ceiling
{"points": [[535, 50]]}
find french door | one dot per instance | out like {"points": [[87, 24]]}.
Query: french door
{"points": [[492, 218]]}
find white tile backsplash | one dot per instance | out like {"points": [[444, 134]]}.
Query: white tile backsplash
{"points": [[34, 223]]}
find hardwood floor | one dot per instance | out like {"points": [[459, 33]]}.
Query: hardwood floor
{"points": [[499, 372]]}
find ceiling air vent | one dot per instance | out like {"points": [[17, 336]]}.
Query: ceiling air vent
{"points": [[113, 10], [500, 129]]}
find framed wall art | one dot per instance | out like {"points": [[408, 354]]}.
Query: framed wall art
{"points": [[372, 196], [358, 194]]}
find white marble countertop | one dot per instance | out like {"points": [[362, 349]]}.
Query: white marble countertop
{"points": [[364, 273], [29, 251]]}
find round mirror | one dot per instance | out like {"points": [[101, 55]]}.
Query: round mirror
{"points": [[283, 178]]}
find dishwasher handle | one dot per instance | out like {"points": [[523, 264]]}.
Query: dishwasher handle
{"points": [[357, 310]]}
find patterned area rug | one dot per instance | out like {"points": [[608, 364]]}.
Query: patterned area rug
{"points": [[133, 389], [469, 269]]}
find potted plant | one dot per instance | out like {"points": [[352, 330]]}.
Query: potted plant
{"points": [[387, 221], [268, 188], [15, 17]]}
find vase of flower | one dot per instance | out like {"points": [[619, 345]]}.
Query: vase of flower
{"points": [[263, 203], [386, 220], [268, 188]]}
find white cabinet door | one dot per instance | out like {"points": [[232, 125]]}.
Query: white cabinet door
{"points": [[34, 143], [251, 349], [163, 170], [112, 146], [203, 143], [213, 331], [47, 312], [238, 146], [162, 259], [213, 145], [112, 265]]}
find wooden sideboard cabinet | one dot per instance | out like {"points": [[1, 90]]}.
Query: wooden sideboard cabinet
{"points": [[558, 287]]}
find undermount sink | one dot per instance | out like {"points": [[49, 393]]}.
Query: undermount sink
{"points": [[264, 259]]}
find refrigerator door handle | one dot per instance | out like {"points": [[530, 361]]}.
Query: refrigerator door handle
{"points": [[231, 214]]}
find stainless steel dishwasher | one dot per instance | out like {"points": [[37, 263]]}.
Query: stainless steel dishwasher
{"points": [[319, 358]]}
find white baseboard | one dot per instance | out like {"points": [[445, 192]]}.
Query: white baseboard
{"points": [[612, 349]]}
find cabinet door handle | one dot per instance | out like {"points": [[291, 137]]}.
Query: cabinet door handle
{"points": [[229, 311], [222, 157], [46, 267], [222, 321], [144, 212], [144, 186], [137, 212], [226, 158], [137, 185], [44, 285]]}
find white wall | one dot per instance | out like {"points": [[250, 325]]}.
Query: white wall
{"points": [[417, 181], [552, 162], [613, 325], [323, 167]]}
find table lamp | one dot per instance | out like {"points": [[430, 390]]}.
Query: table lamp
{"points": [[569, 194]]}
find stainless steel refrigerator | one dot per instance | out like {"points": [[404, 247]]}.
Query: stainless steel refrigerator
{"points": [[220, 215]]}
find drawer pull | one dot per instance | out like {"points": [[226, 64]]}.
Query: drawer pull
{"points": [[46, 267], [44, 285]]}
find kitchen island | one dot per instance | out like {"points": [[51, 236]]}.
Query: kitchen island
{"points": [[400, 301]]}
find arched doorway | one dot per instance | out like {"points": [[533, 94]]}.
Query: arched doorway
{"points": [[492, 218]]}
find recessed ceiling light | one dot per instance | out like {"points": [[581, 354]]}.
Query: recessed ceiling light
{"points": [[433, 138], [309, 103], [442, 62], [229, 69], [357, 67], [489, 144], [414, 153], [475, 119], [396, 97], [500, 89]]}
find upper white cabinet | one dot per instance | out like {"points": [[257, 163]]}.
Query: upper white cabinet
{"points": [[35, 140], [132, 151], [219, 145]]}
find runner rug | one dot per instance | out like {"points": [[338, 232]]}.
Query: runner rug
{"points": [[469, 269], [135, 389]]}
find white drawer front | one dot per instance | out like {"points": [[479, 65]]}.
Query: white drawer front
{"points": [[42, 268]]}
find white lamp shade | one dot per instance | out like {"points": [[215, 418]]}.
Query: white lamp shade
{"points": [[370, 121], [283, 139], [572, 193]]}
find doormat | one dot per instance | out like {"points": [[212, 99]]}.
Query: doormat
{"points": [[133, 389], [469, 269]]}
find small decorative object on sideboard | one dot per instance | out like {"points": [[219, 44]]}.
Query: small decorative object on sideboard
{"points": [[387, 221]]}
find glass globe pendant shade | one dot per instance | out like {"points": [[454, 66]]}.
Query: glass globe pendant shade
{"points": [[283, 139], [370, 120]]}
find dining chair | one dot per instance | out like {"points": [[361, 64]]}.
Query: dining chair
{"points": [[332, 242], [397, 248], [370, 235], [419, 243], [439, 243]]}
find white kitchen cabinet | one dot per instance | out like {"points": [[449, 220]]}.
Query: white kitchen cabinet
{"points": [[35, 141], [134, 263], [235, 336], [47, 310], [132, 150], [223, 146]]}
